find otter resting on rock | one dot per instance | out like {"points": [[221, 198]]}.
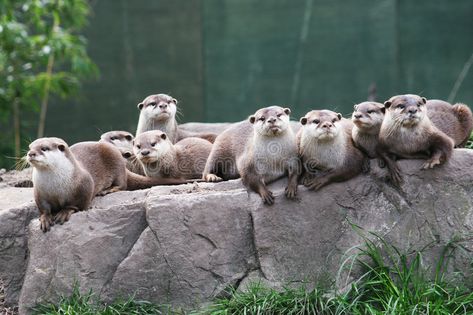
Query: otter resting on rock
{"points": [[407, 132], [66, 179]]}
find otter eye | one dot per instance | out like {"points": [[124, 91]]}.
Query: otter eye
{"points": [[138, 146], [261, 118], [334, 120], [316, 121], [279, 115], [419, 104], [128, 137], [112, 138], [370, 111], [44, 149], [401, 106], [153, 144], [153, 104]]}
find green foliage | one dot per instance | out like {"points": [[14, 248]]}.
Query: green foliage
{"points": [[391, 282], [86, 304], [41, 52]]}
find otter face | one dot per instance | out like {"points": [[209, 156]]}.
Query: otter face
{"points": [[47, 153], [322, 125], [160, 107], [122, 140], [407, 110], [271, 121], [368, 115], [150, 146]]}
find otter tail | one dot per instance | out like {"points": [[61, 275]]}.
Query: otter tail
{"points": [[465, 117], [135, 181]]}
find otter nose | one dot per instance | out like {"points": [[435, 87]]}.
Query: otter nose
{"points": [[162, 105], [412, 110], [31, 154], [126, 155], [327, 125], [358, 116], [271, 120], [145, 152]]}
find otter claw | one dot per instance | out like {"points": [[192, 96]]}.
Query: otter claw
{"points": [[268, 197], [430, 164], [291, 193], [212, 178], [45, 222]]}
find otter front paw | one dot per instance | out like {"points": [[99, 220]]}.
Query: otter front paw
{"points": [[46, 221], [267, 196], [212, 178], [63, 216], [291, 192], [396, 178], [430, 163]]}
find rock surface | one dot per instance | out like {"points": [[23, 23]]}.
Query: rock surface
{"points": [[187, 244]]}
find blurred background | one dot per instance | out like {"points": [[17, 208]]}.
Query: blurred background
{"points": [[224, 59]]}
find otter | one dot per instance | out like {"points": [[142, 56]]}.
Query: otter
{"points": [[456, 121], [326, 149], [158, 112], [160, 158], [367, 119], [66, 179], [407, 132], [123, 141], [259, 150]]}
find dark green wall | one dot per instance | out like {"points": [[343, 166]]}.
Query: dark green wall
{"points": [[223, 59]]}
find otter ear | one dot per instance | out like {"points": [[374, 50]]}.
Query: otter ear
{"points": [[339, 116], [163, 136], [140, 106], [174, 101], [252, 119], [424, 100], [387, 104], [61, 147], [129, 137], [383, 110], [287, 111], [303, 121]]}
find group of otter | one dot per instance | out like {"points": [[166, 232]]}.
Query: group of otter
{"points": [[323, 148]]}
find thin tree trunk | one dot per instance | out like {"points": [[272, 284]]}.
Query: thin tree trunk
{"points": [[44, 101], [16, 126]]}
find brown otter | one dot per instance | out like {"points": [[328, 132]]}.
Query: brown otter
{"points": [[367, 119], [160, 158], [326, 149], [123, 141], [259, 151], [66, 179], [158, 112], [456, 121], [407, 132]]}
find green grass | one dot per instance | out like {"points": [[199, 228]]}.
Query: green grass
{"points": [[391, 282], [87, 304]]}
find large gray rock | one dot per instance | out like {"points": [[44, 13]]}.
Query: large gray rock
{"points": [[187, 244]]}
